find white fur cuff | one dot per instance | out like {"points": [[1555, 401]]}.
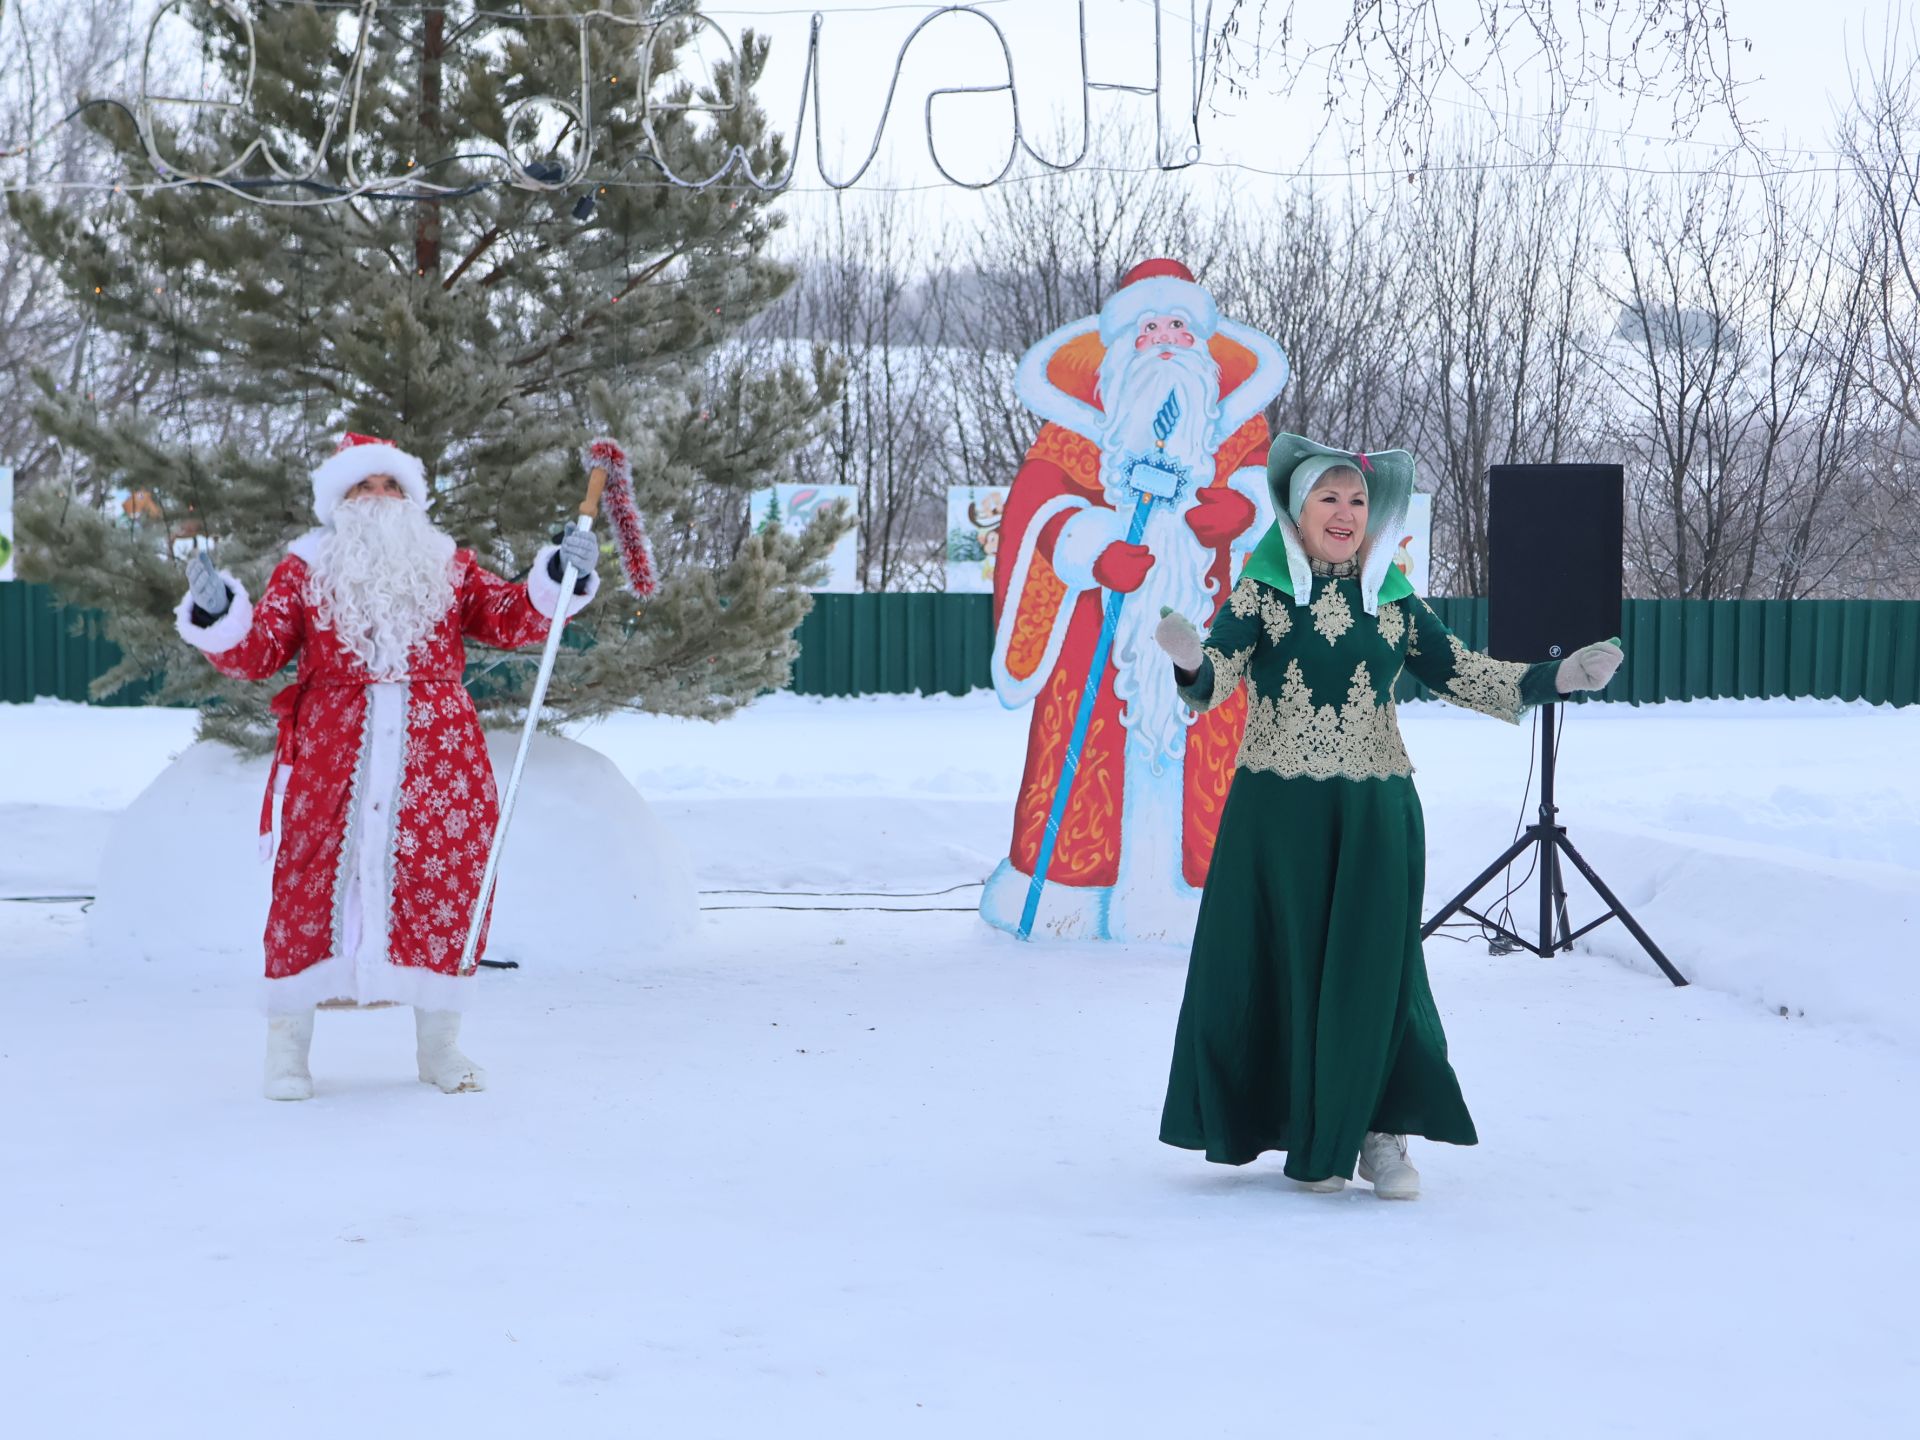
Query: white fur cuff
{"points": [[1081, 540], [544, 591], [225, 632]]}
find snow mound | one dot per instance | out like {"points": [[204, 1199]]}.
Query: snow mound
{"points": [[589, 875], [1803, 935]]}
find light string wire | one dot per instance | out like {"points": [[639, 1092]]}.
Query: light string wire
{"points": [[522, 176], [542, 177], [1303, 174]]}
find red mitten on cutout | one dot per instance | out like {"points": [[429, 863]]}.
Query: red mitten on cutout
{"points": [[1219, 514], [1123, 567]]}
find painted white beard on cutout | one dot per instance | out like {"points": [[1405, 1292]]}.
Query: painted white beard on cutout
{"points": [[1153, 712], [1133, 386], [382, 581]]}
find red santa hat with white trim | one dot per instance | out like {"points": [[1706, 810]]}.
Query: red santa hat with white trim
{"points": [[360, 457], [1157, 287]]}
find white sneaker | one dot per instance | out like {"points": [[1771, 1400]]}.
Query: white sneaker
{"points": [[1384, 1163], [1332, 1185], [289, 1039], [441, 1063]]}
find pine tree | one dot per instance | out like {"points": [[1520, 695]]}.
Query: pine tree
{"points": [[490, 333]]}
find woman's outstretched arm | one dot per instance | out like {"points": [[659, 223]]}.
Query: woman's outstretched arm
{"points": [[1440, 660], [1225, 653]]}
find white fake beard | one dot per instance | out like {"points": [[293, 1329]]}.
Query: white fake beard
{"points": [[383, 579], [1155, 716], [1133, 385]]}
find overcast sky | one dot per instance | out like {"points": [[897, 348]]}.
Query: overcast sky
{"points": [[1797, 68]]}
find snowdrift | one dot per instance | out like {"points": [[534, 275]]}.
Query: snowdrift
{"points": [[589, 875]]}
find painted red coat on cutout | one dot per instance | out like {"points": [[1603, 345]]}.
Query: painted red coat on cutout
{"points": [[1088, 850], [1058, 463]]}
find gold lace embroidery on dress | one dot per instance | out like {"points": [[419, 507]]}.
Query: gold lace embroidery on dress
{"points": [[1273, 615], [1331, 615], [1245, 600], [1393, 624], [1482, 683], [1227, 670], [1291, 736], [1251, 598]]}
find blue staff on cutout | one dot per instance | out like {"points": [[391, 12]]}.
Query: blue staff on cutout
{"points": [[1152, 476]]}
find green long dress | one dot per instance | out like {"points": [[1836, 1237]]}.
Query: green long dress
{"points": [[1308, 1019]]}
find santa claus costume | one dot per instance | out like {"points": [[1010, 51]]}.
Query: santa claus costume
{"points": [[1133, 847], [387, 802]]}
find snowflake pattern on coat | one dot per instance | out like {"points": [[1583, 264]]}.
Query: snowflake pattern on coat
{"points": [[439, 824]]}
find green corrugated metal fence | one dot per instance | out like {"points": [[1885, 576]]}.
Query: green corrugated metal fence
{"points": [[1749, 649], [47, 649], [895, 644]]}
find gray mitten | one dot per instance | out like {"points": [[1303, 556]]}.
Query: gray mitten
{"points": [[1589, 668], [579, 549], [209, 591], [1176, 635]]}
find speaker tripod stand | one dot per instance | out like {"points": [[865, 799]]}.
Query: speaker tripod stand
{"points": [[1556, 930]]}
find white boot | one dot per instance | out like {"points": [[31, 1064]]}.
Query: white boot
{"points": [[1332, 1185], [1383, 1162], [289, 1038], [441, 1062]]}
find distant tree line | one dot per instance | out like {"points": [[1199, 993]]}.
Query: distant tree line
{"points": [[1744, 341]]}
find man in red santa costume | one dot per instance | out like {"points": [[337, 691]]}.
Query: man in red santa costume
{"points": [[1135, 842], [388, 801]]}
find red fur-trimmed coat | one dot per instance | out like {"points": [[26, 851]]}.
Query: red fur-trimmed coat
{"points": [[389, 801]]}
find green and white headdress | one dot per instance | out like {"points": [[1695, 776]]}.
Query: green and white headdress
{"points": [[1294, 466]]}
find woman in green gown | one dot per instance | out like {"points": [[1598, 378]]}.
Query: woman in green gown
{"points": [[1308, 1025]]}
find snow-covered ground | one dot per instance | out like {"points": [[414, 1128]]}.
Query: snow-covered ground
{"points": [[860, 1173]]}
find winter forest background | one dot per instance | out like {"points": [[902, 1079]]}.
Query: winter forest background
{"points": [[1744, 336]]}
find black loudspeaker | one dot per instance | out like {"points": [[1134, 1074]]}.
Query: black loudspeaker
{"points": [[1554, 538]]}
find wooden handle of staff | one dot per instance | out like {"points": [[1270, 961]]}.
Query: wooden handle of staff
{"points": [[596, 482]]}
